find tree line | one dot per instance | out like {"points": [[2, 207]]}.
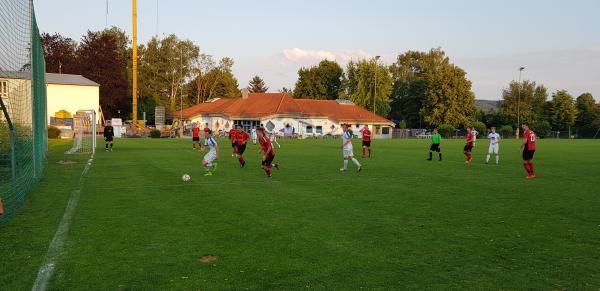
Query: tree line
{"points": [[420, 89]]}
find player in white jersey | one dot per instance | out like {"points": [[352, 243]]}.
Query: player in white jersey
{"points": [[253, 135], [494, 139], [273, 138], [347, 148], [213, 153]]}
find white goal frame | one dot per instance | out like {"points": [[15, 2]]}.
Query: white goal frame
{"points": [[84, 132]]}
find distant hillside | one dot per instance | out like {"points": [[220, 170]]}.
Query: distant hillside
{"points": [[488, 105]]}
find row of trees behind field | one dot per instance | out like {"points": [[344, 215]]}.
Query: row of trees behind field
{"points": [[421, 88]]}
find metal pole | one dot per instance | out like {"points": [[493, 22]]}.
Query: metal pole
{"points": [[519, 102], [134, 60]]}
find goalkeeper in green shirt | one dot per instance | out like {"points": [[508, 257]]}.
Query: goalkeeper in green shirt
{"points": [[436, 139]]}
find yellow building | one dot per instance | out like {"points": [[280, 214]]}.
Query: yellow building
{"points": [[65, 94], [69, 93]]}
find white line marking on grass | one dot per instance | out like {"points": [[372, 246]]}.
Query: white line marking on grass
{"points": [[56, 245]]}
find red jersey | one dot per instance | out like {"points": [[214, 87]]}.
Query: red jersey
{"points": [[530, 139], [366, 134], [195, 132], [470, 137], [265, 144], [232, 134], [241, 137]]}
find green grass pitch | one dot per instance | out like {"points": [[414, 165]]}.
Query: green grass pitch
{"points": [[402, 223]]}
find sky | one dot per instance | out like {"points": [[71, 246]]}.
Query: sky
{"points": [[557, 41]]}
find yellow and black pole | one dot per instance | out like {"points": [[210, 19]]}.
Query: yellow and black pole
{"points": [[134, 65]]}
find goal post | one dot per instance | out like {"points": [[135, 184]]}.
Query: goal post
{"points": [[84, 133]]}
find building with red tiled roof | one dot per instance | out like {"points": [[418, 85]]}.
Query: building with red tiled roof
{"points": [[283, 114]]}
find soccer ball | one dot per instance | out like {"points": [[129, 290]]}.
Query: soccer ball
{"points": [[186, 178]]}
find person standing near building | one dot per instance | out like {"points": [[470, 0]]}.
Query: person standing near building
{"points": [[253, 135], [109, 135], [241, 138], [366, 140], [347, 149], [196, 136], [436, 140], [494, 139]]}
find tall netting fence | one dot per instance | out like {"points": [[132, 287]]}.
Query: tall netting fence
{"points": [[23, 132]]}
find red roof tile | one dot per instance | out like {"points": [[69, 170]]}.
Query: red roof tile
{"points": [[265, 104]]}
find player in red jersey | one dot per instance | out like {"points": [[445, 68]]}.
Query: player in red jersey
{"points": [[469, 145], [366, 140], [196, 136], [241, 138], [206, 128], [528, 147], [232, 135], [268, 151]]}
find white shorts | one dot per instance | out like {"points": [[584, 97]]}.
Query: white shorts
{"points": [[209, 158], [494, 149], [348, 152]]}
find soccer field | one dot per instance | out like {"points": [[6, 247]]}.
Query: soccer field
{"points": [[402, 223]]}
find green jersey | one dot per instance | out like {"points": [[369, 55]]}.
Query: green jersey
{"points": [[436, 138]]}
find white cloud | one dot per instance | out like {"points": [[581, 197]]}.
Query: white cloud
{"points": [[298, 55]]}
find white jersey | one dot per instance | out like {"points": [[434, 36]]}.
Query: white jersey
{"points": [[494, 138], [347, 140], [211, 143]]}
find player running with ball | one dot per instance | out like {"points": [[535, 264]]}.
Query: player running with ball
{"points": [[347, 149], [528, 147], [208, 162], [494, 139], [268, 152]]}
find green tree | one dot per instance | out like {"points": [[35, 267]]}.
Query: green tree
{"points": [[102, 56], [323, 81], [59, 54], [165, 66], [310, 85], [257, 85], [367, 81], [427, 85], [561, 110], [532, 99], [587, 110]]}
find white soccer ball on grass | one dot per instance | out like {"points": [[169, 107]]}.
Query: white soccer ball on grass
{"points": [[186, 178]]}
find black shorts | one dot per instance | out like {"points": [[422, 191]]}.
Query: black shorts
{"points": [[268, 161], [468, 148], [528, 155], [241, 148], [108, 138], [366, 143], [196, 139], [435, 147]]}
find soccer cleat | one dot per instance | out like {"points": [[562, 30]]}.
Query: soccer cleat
{"points": [[429, 159], [342, 170], [276, 166], [208, 174], [531, 177], [243, 165], [359, 168]]}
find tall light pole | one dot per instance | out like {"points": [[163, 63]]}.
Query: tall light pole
{"points": [[519, 102], [134, 64], [375, 94]]}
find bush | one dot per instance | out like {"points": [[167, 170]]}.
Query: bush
{"points": [[542, 128], [506, 131], [53, 132], [155, 133], [480, 127], [446, 129]]}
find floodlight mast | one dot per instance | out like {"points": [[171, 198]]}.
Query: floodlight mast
{"points": [[134, 86]]}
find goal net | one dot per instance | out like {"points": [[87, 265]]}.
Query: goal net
{"points": [[84, 133]]}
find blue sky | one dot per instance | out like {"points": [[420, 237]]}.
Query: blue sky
{"points": [[558, 41]]}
